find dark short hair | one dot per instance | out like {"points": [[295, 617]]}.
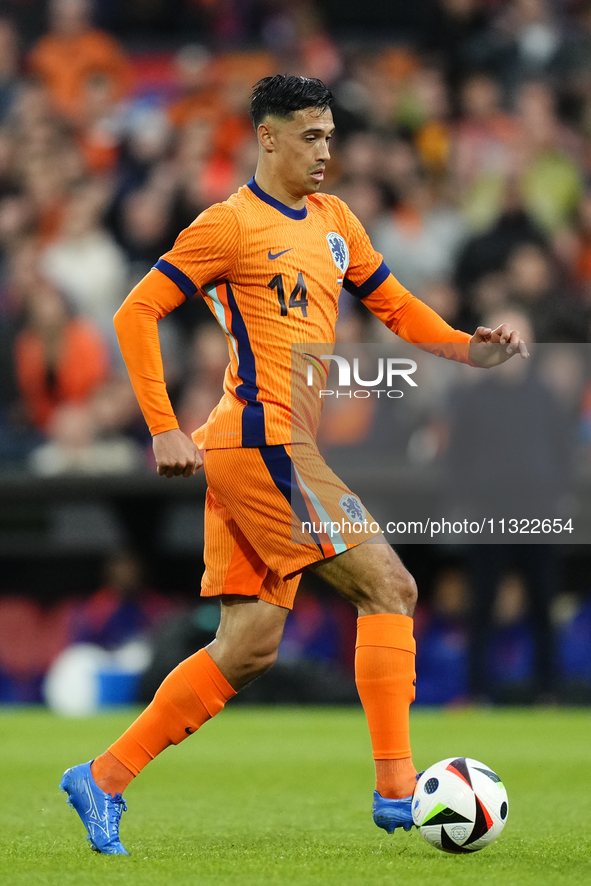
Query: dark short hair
{"points": [[283, 94]]}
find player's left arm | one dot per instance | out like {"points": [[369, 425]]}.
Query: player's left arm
{"points": [[489, 347], [416, 322], [369, 278]]}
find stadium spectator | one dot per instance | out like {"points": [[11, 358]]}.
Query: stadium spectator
{"points": [[143, 226], [487, 251], [360, 156], [196, 82], [484, 135], [31, 637], [71, 51], [420, 237], [116, 410], [99, 126], [84, 262], [583, 246], [75, 445], [431, 124], [460, 33], [533, 286], [529, 40], [488, 295], [143, 156], [122, 609], [59, 358], [9, 68], [442, 638], [365, 198], [535, 461]]}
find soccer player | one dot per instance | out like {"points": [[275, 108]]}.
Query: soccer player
{"points": [[270, 262]]}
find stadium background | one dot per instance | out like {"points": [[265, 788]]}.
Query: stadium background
{"points": [[464, 147]]}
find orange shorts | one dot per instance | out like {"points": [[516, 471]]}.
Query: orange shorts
{"points": [[270, 513]]}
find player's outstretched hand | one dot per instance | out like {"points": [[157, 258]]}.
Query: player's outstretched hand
{"points": [[490, 347], [176, 454]]}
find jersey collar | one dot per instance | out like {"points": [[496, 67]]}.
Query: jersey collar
{"points": [[296, 214]]}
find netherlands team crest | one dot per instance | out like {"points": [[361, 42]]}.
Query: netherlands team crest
{"points": [[353, 508], [339, 251]]}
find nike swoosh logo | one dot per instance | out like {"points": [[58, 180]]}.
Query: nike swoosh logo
{"points": [[272, 257]]}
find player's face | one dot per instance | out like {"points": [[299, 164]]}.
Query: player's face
{"points": [[301, 149]]}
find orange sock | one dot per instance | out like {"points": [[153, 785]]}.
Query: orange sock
{"points": [[385, 677], [191, 694], [110, 775]]}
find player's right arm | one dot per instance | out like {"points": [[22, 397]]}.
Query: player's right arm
{"points": [[136, 324], [203, 252]]}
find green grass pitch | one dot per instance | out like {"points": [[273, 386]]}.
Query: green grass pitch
{"points": [[282, 796]]}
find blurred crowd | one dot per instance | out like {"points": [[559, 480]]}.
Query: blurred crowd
{"points": [[115, 645], [465, 151]]}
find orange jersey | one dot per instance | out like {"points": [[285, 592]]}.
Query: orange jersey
{"points": [[272, 276], [65, 63], [83, 365]]}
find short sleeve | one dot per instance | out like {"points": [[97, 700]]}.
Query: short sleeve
{"points": [[203, 252], [367, 269]]}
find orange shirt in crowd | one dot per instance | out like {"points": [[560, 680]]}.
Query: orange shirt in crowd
{"points": [[583, 261], [83, 365], [64, 63], [201, 105]]}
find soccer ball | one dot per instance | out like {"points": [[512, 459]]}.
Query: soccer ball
{"points": [[460, 805]]}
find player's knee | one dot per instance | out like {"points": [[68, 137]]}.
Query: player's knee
{"points": [[406, 591], [397, 595], [260, 660], [265, 661]]}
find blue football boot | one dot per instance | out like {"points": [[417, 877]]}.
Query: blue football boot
{"points": [[100, 812], [392, 814]]}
